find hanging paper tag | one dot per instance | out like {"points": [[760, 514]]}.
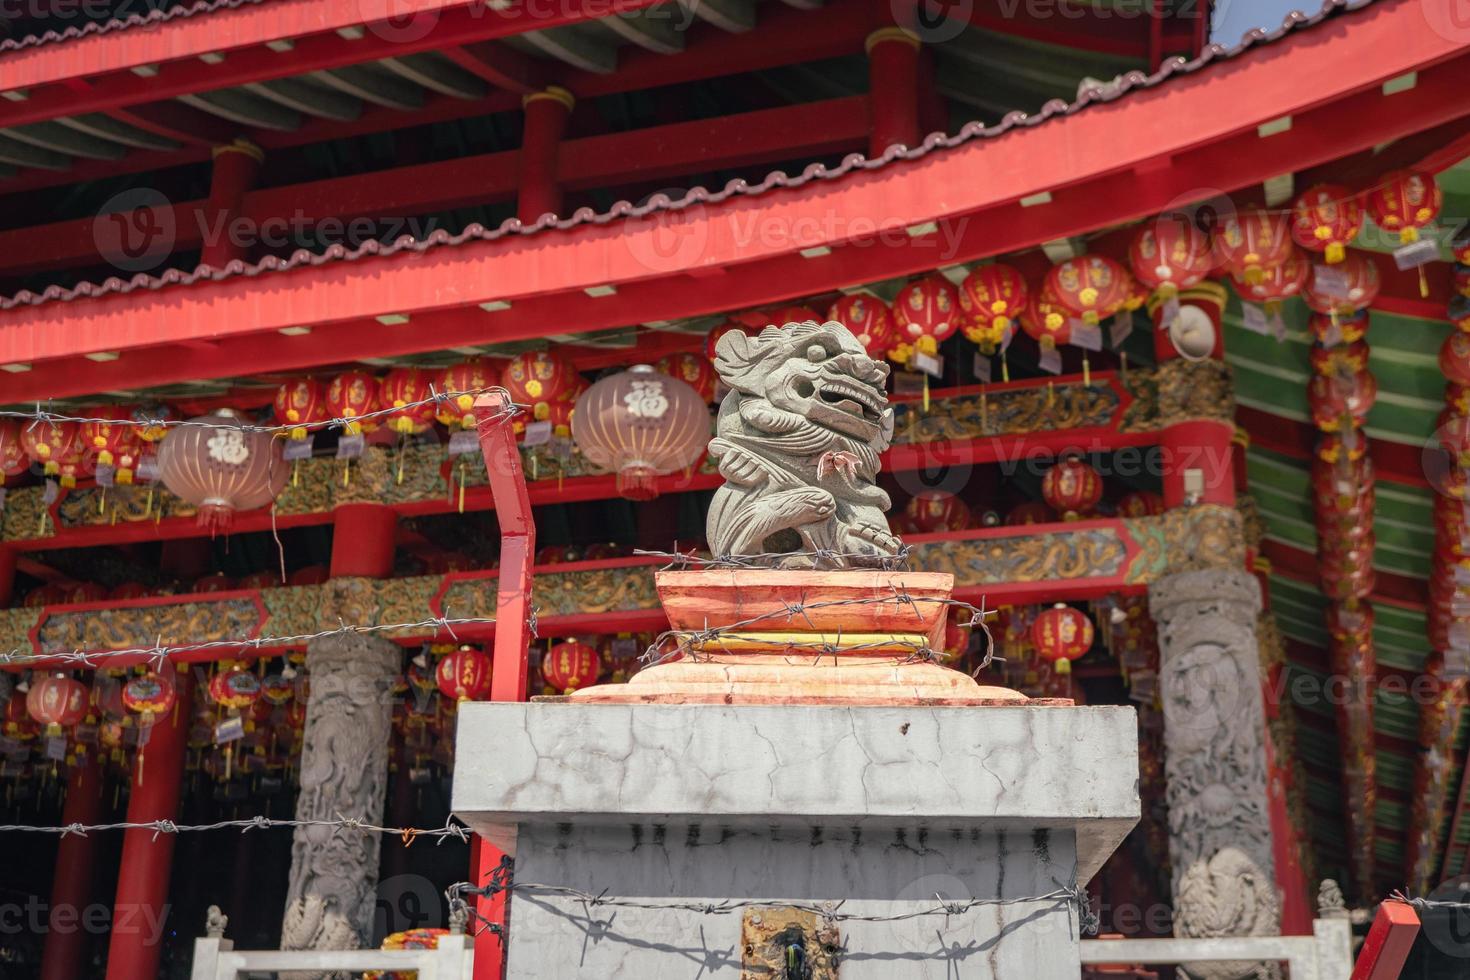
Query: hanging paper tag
{"points": [[295, 449], [908, 383], [1462, 575], [624, 647], [561, 447], [1332, 336], [1253, 318], [105, 475], [1051, 361], [229, 729], [1122, 328], [1086, 335], [52, 491], [147, 471], [1278, 326], [270, 784], [10, 746], [419, 775], [1330, 281], [982, 368], [56, 749], [1459, 604], [1169, 312], [350, 447], [1415, 254], [930, 364], [537, 433], [464, 441]]}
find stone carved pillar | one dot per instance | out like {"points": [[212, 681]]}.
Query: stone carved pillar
{"points": [[331, 896], [1215, 761]]}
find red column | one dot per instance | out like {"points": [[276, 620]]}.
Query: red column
{"points": [[893, 88], [545, 122], [71, 883], [235, 168], [1198, 452], [362, 540], [142, 883]]}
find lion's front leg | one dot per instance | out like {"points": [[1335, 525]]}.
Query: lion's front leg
{"points": [[754, 521]]}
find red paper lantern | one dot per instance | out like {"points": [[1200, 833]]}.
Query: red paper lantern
{"points": [[234, 688], [50, 594], [351, 395], [938, 512], [85, 592], [13, 458], [260, 580], [571, 666], [1453, 429], [1344, 359], [467, 377], [57, 702], [1170, 253], [992, 299], [538, 378], [1252, 242], [1346, 582], [1045, 320], [277, 689], [464, 675], [149, 695], [57, 446], [308, 575], [1140, 503], [1029, 512], [1350, 624], [1276, 283], [1362, 285], [640, 425], [869, 320], [1072, 488], [1326, 219], [1061, 635], [111, 444], [1404, 202], [1454, 358], [561, 414], [1333, 447], [1346, 329], [926, 312], [17, 723], [153, 415], [1091, 288], [128, 590], [218, 582], [1338, 400], [695, 371], [783, 315], [301, 403], [221, 468], [404, 392]]}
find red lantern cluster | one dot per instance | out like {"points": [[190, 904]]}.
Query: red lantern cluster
{"points": [[570, 666], [1072, 488]]}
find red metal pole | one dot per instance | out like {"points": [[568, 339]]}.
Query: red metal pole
{"points": [[1386, 947], [893, 88], [71, 883], [512, 632], [545, 123], [142, 883], [235, 168], [362, 540]]}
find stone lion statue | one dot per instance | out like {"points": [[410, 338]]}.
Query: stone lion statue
{"points": [[1228, 895], [797, 441]]}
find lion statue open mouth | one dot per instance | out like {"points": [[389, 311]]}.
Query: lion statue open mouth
{"points": [[798, 441]]}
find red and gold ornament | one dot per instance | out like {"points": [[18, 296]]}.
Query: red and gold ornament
{"points": [[57, 446], [926, 312], [1072, 488], [350, 396], [869, 320], [1251, 243], [13, 458], [1361, 288], [301, 403], [404, 392], [695, 371], [1169, 254], [1061, 635], [1326, 219], [992, 299], [1091, 288], [1404, 202], [56, 701], [937, 511], [113, 441], [464, 675], [537, 379], [465, 379], [571, 666]]}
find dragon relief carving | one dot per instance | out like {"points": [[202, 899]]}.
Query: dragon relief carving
{"points": [[798, 440], [332, 890]]}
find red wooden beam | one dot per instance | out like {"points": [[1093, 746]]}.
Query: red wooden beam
{"points": [[1197, 123], [1386, 947]]}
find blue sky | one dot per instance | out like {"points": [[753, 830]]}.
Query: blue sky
{"points": [[1232, 18]]}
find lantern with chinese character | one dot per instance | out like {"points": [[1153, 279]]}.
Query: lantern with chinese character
{"points": [[641, 424], [926, 312], [538, 378], [234, 688], [1250, 243], [56, 701], [464, 675], [992, 298], [221, 467], [57, 446], [1140, 503], [13, 458], [1091, 288], [1329, 330], [465, 379], [404, 394], [937, 511], [869, 320], [571, 666], [1344, 359], [1404, 202], [695, 371], [1170, 253], [1326, 219], [1343, 289], [1276, 283], [1072, 488], [1340, 400], [113, 440], [148, 696], [1045, 320], [301, 403], [351, 395], [1061, 635]]}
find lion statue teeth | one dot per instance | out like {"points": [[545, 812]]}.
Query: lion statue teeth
{"points": [[798, 441]]}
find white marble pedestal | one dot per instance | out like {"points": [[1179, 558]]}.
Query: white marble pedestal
{"points": [[880, 809]]}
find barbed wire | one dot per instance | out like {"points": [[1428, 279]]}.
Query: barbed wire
{"points": [[159, 653], [408, 834], [436, 398], [501, 881], [1421, 904]]}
